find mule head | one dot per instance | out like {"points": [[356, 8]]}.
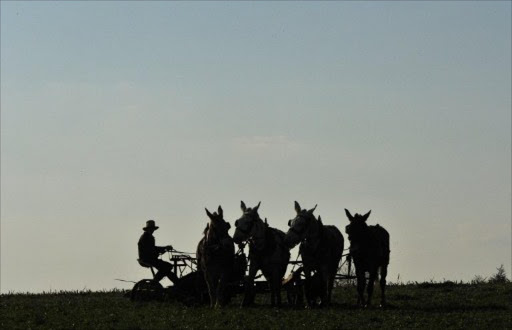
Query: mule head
{"points": [[299, 225], [357, 226], [217, 222], [245, 225]]}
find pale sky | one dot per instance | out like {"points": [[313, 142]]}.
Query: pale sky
{"points": [[113, 113]]}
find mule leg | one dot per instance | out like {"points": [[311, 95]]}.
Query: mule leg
{"points": [[361, 283], [278, 292], [371, 281], [307, 288], [276, 289], [332, 275], [221, 288], [249, 286], [383, 274], [324, 293], [248, 292], [279, 282], [273, 292], [212, 290]]}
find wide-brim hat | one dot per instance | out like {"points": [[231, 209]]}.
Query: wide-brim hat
{"points": [[150, 224]]}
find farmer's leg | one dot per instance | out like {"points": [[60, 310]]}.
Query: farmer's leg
{"points": [[164, 269]]}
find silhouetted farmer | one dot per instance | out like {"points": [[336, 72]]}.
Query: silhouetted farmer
{"points": [[148, 253]]}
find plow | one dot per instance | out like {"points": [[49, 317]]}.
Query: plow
{"points": [[191, 289]]}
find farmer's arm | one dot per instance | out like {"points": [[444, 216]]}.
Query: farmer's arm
{"points": [[162, 249]]}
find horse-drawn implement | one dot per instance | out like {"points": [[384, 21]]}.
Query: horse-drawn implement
{"points": [[191, 288]]}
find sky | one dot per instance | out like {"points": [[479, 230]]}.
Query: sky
{"points": [[113, 113]]}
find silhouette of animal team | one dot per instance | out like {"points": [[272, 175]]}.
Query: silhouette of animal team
{"points": [[321, 248], [217, 272], [369, 247], [267, 252]]}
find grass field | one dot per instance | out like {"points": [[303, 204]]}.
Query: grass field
{"points": [[420, 305]]}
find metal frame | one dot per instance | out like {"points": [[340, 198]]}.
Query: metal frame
{"points": [[184, 263]]}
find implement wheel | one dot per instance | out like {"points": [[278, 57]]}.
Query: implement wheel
{"points": [[147, 290]]}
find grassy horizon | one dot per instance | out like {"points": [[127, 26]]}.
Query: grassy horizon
{"points": [[415, 305]]}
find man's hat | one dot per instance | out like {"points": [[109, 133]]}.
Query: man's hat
{"points": [[150, 224]]}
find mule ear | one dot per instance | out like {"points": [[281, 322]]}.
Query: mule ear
{"points": [[297, 207], [365, 217], [313, 209], [320, 220], [208, 213], [221, 213], [242, 206], [266, 223], [349, 216], [257, 207]]}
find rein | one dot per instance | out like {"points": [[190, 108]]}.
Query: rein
{"points": [[181, 252]]}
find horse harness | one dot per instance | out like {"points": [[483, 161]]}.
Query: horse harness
{"points": [[321, 246], [217, 242], [267, 250], [300, 232], [270, 244], [248, 231]]}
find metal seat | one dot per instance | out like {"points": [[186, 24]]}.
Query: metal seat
{"points": [[146, 265]]}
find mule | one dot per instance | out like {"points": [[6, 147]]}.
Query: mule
{"points": [[215, 256], [321, 248], [267, 252], [369, 248]]}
